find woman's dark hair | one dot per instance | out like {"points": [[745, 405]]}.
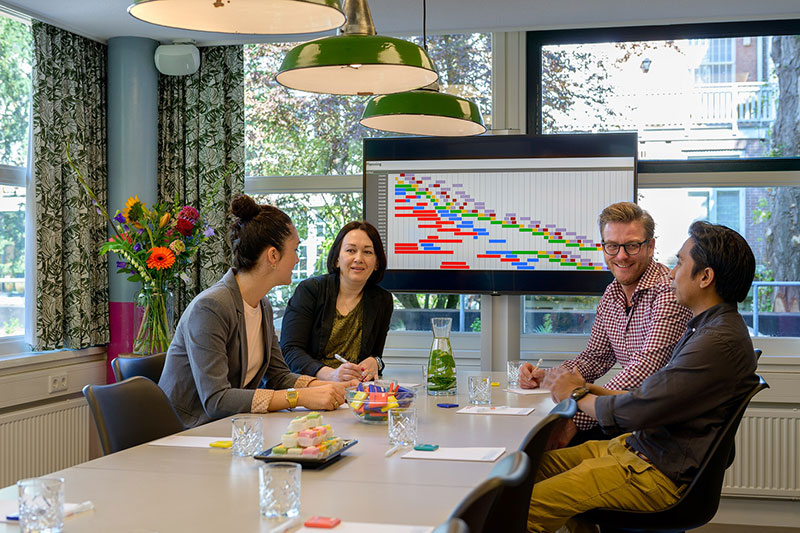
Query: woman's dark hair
{"points": [[254, 229], [377, 245], [727, 254]]}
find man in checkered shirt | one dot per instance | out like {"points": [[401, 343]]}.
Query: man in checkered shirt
{"points": [[638, 321]]}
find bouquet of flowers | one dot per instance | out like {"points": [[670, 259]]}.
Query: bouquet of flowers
{"points": [[154, 245]]}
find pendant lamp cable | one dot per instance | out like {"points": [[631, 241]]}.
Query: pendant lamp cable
{"points": [[425, 25]]}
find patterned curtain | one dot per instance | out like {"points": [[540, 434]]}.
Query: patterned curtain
{"points": [[69, 105], [201, 151]]}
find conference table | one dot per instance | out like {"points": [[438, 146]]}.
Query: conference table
{"points": [[165, 489]]}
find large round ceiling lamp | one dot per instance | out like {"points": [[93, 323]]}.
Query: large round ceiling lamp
{"points": [[253, 17]]}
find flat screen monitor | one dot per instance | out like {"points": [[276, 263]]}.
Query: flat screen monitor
{"points": [[496, 214]]}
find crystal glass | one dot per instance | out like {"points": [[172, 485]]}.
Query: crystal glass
{"points": [[248, 435], [403, 426], [441, 365], [41, 505], [513, 372], [480, 390], [279, 490]]}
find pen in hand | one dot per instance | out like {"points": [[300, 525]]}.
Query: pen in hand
{"points": [[538, 364], [344, 361]]}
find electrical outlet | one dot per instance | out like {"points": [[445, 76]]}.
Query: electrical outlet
{"points": [[57, 383]]}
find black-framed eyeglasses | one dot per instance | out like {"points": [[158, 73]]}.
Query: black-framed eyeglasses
{"points": [[631, 248]]}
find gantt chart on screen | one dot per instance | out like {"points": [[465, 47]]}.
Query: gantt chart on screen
{"points": [[500, 214]]}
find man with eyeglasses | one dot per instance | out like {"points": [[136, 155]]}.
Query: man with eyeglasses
{"points": [[637, 324]]}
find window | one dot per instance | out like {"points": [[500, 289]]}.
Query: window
{"points": [[15, 92], [304, 155], [694, 93]]}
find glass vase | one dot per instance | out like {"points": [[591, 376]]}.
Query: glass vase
{"points": [[153, 319], [441, 365]]}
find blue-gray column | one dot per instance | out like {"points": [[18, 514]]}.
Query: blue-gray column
{"points": [[132, 135]]}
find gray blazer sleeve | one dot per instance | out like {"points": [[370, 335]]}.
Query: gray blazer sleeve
{"points": [[209, 358]]}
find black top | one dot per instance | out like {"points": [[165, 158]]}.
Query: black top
{"points": [[677, 412], [309, 316]]}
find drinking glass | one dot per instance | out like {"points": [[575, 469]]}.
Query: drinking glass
{"points": [[513, 372], [403, 426], [248, 435], [480, 390], [41, 505], [279, 490]]}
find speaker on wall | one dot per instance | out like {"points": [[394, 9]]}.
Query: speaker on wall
{"points": [[179, 59]]}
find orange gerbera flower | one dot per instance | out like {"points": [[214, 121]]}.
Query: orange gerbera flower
{"points": [[160, 257]]}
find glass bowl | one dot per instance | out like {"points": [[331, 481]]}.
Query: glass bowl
{"points": [[371, 404]]}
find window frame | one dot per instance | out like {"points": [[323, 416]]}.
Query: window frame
{"points": [[17, 176], [673, 173]]}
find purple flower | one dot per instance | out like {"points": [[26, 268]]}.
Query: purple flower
{"points": [[137, 247], [139, 230], [119, 217], [121, 264], [209, 231], [125, 227]]}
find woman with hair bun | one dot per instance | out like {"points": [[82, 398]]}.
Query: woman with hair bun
{"points": [[225, 345], [343, 313]]}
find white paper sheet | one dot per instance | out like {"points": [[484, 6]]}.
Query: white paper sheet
{"points": [[188, 442], [458, 454], [528, 391], [363, 527], [495, 410]]}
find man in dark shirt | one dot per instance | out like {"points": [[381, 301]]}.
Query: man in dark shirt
{"points": [[676, 413]]}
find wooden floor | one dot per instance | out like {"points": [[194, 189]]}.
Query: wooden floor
{"points": [[726, 528]]}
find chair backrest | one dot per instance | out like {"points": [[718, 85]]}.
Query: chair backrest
{"points": [[131, 412], [149, 366], [699, 502], [758, 353], [478, 509], [511, 509]]}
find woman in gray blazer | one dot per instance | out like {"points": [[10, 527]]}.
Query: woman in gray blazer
{"points": [[225, 344]]}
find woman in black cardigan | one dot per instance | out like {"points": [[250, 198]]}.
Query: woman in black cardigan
{"points": [[342, 313]]}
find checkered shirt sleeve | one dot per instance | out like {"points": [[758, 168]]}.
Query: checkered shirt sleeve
{"points": [[641, 342]]}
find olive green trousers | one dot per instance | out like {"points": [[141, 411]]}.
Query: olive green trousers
{"points": [[597, 473]]}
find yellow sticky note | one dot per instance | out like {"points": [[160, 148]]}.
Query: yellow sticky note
{"points": [[221, 444]]}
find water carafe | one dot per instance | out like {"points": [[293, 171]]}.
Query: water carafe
{"points": [[441, 365]]}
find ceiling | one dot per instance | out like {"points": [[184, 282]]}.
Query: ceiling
{"points": [[102, 19]]}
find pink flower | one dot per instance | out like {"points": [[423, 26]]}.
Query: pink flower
{"points": [[189, 213]]}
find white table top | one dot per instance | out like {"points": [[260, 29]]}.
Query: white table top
{"points": [[165, 489]]}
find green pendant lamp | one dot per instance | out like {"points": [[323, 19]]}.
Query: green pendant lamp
{"points": [[424, 111], [357, 62], [251, 17]]}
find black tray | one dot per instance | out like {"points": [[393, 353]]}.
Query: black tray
{"points": [[306, 462]]}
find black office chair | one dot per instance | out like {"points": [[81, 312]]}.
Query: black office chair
{"points": [[453, 525], [758, 353], [478, 509], [699, 502], [131, 412], [510, 512], [149, 366]]}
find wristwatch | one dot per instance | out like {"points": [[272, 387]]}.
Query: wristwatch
{"points": [[291, 398], [578, 393], [381, 364]]}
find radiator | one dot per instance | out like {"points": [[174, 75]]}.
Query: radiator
{"points": [[767, 460], [43, 439]]}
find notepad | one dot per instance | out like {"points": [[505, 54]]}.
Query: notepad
{"points": [[364, 527], [188, 442], [458, 454], [11, 507], [528, 391], [495, 410]]}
